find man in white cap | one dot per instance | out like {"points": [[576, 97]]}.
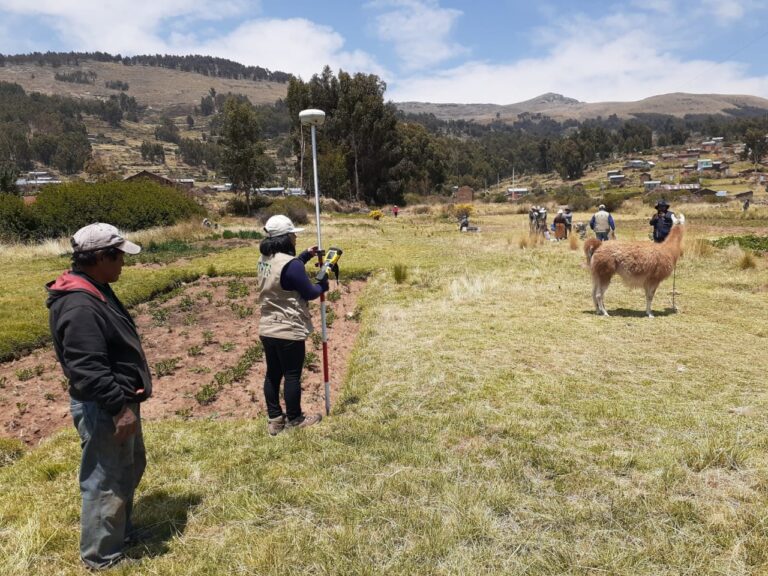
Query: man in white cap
{"points": [[602, 223], [97, 344]]}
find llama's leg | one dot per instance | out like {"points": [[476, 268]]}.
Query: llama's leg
{"points": [[595, 288], [650, 291], [603, 286]]}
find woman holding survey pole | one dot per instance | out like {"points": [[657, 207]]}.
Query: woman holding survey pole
{"points": [[285, 324]]}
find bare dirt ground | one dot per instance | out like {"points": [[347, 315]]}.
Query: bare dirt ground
{"points": [[189, 336]]}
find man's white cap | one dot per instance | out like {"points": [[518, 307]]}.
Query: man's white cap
{"points": [[601, 207], [560, 211], [99, 236], [280, 225]]}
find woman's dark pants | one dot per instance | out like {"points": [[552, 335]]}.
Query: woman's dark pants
{"points": [[285, 360]]}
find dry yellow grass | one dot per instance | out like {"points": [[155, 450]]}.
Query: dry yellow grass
{"points": [[490, 423], [158, 87]]}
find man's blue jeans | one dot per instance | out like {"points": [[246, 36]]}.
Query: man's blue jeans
{"points": [[109, 474], [601, 235]]}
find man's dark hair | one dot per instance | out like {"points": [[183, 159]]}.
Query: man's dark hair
{"points": [[82, 260], [271, 246]]}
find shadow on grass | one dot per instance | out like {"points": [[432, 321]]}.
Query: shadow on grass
{"points": [[627, 313], [160, 516]]}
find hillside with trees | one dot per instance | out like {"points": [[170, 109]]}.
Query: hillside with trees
{"points": [[369, 151]]}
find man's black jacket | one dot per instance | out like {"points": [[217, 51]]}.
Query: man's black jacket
{"points": [[97, 344]]}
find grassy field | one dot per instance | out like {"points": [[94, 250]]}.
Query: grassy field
{"points": [[491, 423]]}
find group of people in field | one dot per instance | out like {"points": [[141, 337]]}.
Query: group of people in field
{"points": [[601, 223], [604, 226], [562, 223], [99, 348], [100, 352]]}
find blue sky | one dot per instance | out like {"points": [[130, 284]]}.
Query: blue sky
{"points": [[460, 51]]}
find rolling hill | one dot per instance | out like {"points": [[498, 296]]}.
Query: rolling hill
{"points": [[562, 108], [165, 89], [174, 91]]}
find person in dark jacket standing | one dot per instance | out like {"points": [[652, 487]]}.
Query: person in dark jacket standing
{"points": [[285, 323], [97, 344], [568, 221], [662, 221]]}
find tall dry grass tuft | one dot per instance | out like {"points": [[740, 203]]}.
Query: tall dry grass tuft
{"points": [[189, 230], [744, 259], [46, 248], [573, 242], [400, 273], [747, 261], [698, 248]]}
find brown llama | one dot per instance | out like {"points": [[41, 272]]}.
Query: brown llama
{"points": [[590, 245], [640, 264]]}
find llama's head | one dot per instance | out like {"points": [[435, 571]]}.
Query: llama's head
{"points": [[678, 220]]}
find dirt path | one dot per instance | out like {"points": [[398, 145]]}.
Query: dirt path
{"points": [[189, 336]]}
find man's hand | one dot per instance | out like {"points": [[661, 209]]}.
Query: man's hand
{"points": [[312, 251], [126, 424]]}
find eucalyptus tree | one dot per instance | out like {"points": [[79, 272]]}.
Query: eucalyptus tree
{"points": [[242, 153]]}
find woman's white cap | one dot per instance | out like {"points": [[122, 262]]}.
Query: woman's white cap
{"points": [[280, 225]]}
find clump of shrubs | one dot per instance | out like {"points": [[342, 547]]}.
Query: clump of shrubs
{"points": [[59, 210], [751, 242], [614, 200], [16, 222], [297, 209], [238, 207], [458, 210]]}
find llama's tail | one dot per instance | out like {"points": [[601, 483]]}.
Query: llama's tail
{"points": [[590, 245]]}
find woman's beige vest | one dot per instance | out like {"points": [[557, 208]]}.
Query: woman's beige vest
{"points": [[284, 313]]}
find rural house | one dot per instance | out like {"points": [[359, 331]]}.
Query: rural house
{"points": [[515, 193], [465, 194], [150, 176]]}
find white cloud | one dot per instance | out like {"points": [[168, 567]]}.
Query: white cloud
{"points": [[727, 11], [295, 45], [420, 31], [661, 6], [117, 26], [619, 57]]}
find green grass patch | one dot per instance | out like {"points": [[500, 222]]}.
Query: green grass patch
{"points": [[747, 242], [489, 423], [242, 235], [237, 288], [237, 373], [166, 367], [10, 450]]}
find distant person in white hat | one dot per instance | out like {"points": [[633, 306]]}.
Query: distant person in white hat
{"points": [[100, 352], [284, 293], [602, 223]]}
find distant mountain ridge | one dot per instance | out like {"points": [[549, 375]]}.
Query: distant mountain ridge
{"points": [[176, 83], [559, 107]]}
